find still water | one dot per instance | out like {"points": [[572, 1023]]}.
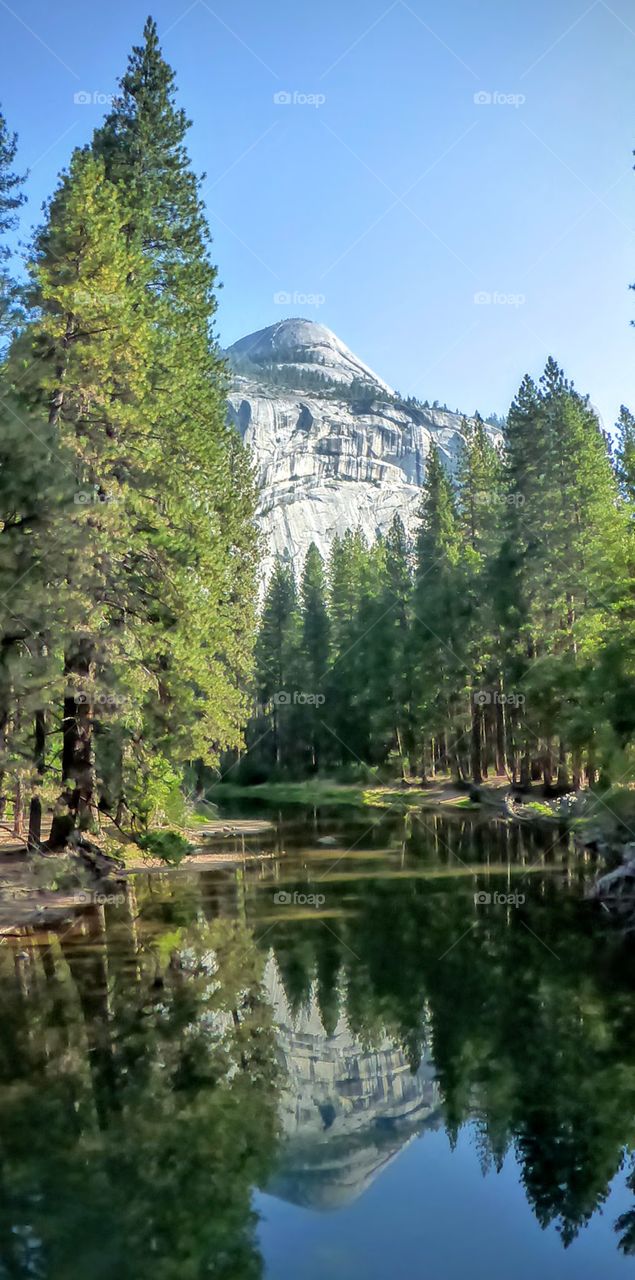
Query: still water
{"points": [[382, 1047]]}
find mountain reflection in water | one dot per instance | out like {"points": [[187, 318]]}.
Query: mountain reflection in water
{"points": [[346, 1110], [167, 1059]]}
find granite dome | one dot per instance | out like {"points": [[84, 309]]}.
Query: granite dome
{"points": [[335, 447]]}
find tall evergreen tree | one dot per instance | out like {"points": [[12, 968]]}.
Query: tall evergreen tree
{"points": [[11, 198], [210, 489], [353, 584], [480, 500], [625, 455], [80, 366], [391, 672], [315, 647], [278, 658], [152, 564], [438, 658]]}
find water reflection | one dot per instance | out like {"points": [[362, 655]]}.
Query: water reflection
{"points": [[137, 1096], [346, 1109], [163, 1057]]}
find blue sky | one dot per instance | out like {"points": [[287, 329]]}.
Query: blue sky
{"points": [[383, 200]]}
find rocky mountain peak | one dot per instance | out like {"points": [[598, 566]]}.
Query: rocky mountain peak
{"points": [[303, 344], [335, 447]]}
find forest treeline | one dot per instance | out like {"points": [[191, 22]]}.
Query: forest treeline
{"points": [[128, 549], [498, 639], [501, 638]]}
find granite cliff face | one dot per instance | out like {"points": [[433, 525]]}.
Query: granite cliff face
{"points": [[334, 445]]}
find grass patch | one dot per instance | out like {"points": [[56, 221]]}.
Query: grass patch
{"points": [[325, 791], [315, 791], [541, 810]]}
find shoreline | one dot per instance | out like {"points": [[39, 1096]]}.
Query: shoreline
{"points": [[28, 901]]}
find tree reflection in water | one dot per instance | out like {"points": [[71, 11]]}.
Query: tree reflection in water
{"points": [[137, 1097], [142, 1087]]}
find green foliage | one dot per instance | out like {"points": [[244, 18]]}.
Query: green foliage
{"points": [[172, 1082], [625, 455], [169, 846], [129, 550], [11, 199], [504, 642]]}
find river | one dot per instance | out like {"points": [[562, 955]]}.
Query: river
{"points": [[381, 1046]]}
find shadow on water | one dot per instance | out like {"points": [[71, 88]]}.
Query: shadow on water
{"points": [[291, 1023]]}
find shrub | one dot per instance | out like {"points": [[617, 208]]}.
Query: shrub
{"points": [[170, 846]]}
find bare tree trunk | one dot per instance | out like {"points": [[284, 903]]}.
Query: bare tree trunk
{"points": [[18, 809], [563, 772], [4, 727], [456, 761], [501, 731], [577, 770], [525, 770], [476, 735], [34, 837], [75, 806], [547, 764], [401, 754]]}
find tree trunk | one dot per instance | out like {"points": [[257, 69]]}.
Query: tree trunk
{"points": [[476, 735], [547, 765], [4, 726], [577, 771], [402, 760], [563, 772], [457, 766], [18, 808], [501, 731], [525, 771], [75, 805], [34, 837]]}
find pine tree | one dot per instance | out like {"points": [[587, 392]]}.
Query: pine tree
{"points": [[80, 367], [479, 509], [625, 455], [11, 199], [25, 468], [315, 647], [353, 585], [522, 592], [278, 657], [391, 674], [438, 660], [559, 541], [210, 489], [153, 593]]}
